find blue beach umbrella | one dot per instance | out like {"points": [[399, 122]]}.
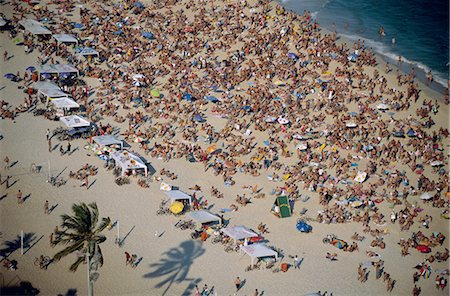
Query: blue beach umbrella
{"points": [[31, 69], [9, 75], [399, 134], [411, 133], [302, 226], [148, 35], [187, 97], [212, 99], [293, 56], [77, 25], [199, 118], [352, 57], [118, 32], [46, 75], [247, 108]]}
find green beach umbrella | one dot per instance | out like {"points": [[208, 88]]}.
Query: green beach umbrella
{"points": [[155, 93]]}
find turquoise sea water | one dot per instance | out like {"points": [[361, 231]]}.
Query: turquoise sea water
{"points": [[420, 29]]}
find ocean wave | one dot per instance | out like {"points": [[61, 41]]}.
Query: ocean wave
{"points": [[384, 50]]}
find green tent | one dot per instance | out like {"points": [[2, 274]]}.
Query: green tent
{"points": [[282, 202]]}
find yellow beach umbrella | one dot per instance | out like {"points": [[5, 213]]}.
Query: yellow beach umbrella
{"points": [[37, 7], [176, 207], [211, 149]]}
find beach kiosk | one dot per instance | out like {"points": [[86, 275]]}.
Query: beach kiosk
{"points": [[239, 233], [64, 104], [128, 161], [51, 93], [204, 217], [281, 207], [34, 27], [65, 38], [256, 251], [107, 140]]}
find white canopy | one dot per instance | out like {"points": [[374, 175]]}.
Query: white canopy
{"points": [[64, 103], [107, 140], [52, 93], [74, 121], [46, 84], [34, 27], [203, 216], [65, 38], [128, 161], [177, 195], [57, 69], [87, 51], [259, 251], [239, 232]]}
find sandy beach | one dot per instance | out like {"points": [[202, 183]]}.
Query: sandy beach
{"points": [[292, 116]]}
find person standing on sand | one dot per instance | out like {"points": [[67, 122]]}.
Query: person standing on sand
{"points": [[50, 145], [5, 56], [237, 283], [47, 134], [127, 258], [256, 292], [19, 197], [6, 160], [68, 147], [46, 208]]}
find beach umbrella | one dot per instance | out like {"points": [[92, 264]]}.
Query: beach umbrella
{"points": [[138, 4], [155, 93], [148, 35], [137, 83], [436, 163], [361, 177], [351, 124], [353, 113], [293, 56], [199, 118], [399, 134], [383, 106], [138, 76], [411, 133], [426, 196], [211, 149], [302, 147], [279, 83], [31, 69], [338, 243], [356, 203], [247, 108], [352, 57], [176, 207], [46, 75], [37, 7], [77, 25], [118, 32], [277, 99], [270, 119], [9, 75], [187, 97], [283, 120], [212, 99], [302, 226]]}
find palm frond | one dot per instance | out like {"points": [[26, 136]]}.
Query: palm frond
{"points": [[69, 250], [75, 265]]}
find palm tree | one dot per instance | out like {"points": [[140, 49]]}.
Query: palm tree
{"points": [[82, 234]]}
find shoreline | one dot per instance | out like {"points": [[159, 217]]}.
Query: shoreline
{"points": [[437, 87]]}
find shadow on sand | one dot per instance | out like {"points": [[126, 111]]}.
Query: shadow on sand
{"points": [[174, 266]]}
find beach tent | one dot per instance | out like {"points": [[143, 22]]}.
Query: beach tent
{"points": [[57, 69], [64, 103], [88, 51], [34, 27], [46, 84], [239, 232], [51, 93], [259, 251], [203, 217], [107, 140], [65, 38], [73, 121], [128, 161], [177, 195], [282, 202]]}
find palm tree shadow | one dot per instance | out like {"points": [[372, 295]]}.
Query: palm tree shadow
{"points": [[175, 264], [13, 245]]}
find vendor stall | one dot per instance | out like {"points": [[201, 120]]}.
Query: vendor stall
{"points": [[203, 217], [259, 251], [107, 140], [177, 195], [51, 94], [128, 161], [65, 38], [34, 27], [74, 121], [239, 233]]}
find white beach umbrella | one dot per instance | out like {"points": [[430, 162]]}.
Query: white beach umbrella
{"points": [[351, 124], [361, 177], [426, 196], [383, 106], [436, 163]]}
